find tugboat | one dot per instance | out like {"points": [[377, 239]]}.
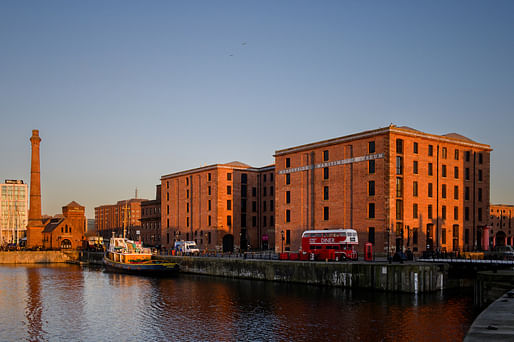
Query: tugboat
{"points": [[128, 256]]}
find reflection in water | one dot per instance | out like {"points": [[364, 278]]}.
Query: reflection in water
{"points": [[70, 303], [34, 306]]}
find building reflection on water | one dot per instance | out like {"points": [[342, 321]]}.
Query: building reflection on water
{"points": [[71, 303]]}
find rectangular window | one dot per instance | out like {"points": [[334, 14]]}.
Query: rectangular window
{"points": [[415, 210], [288, 215], [244, 178], [229, 190], [209, 204], [264, 178], [399, 146], [371, 147], [466, 236], [264, 223], [371, 235], [325, 155], [325, 173], [443, 171], [288, 162], [415, 167], [399, 165], [479, 214], [371, 210], [371, 166], [271, 177], [325, 193], [415, 189], [415, 148], [264, 206], [430, 190], [243, 190], [288, 237], [479, 175], [443, 212], [371, 188], [254, 191], [325, 213], [467, 173], [187, 207], [399, 187], [243, 220], [456, 157], [430, 169], [187, 193], [209, 177], [466, 213], [415, 236], [430, 150], [209, 190], [480, 194], [271, 191], [456, 172], [265, 191], [444, 153], [187, 180], [456, 192], [399, 210], [455, 213], [288, 179], [229, 205], [187, 221], [254, 221], [480, 158], [468, 156], [254, 206], [288, 197], [443, 191], [229, 176], [466, 193], [209, 219], [229, 220], [243, 205], [443, 236], [430, 211], [271, 207]]}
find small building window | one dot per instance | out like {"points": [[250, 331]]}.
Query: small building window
{"points": [[371, 210], [325, 213], [430, 150], [288, 162], [325, 155], [325, 173], [415, 148], [371, 188], [371, 166], [371, 147]]}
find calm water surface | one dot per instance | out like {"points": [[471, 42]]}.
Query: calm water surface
{"points": [[67, 302]]}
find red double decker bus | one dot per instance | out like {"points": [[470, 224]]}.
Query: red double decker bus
{"points": [[332, 244]]}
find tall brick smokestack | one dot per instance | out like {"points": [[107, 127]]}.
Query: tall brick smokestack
{"points": [[35, 224]]}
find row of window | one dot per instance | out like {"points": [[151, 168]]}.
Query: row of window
{"points": [[444, 151], [429, 233]]}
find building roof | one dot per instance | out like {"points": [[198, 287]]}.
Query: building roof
{"points": [[52, 224], [74, 204], [232, 165], [450, 137]]}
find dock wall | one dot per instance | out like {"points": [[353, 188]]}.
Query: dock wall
{"points": [[37, 257], [409, 278]]}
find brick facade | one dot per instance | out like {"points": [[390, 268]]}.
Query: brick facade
{"points": [[151, 220], [214, 206], [501, 222], [110, 218], [396, 186], [66, 231]]}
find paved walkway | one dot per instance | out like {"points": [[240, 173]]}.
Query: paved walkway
{"points": [[495, 323]]}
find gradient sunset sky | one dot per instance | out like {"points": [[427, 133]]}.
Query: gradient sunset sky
{"points": [[124, 92]]}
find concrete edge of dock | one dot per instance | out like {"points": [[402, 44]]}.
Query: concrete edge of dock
{"points": [[496, 322]]}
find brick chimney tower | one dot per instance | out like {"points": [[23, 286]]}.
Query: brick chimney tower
{"points": [[35, 224]]}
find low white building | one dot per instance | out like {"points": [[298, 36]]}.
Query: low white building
{"points": [[14, 211]]}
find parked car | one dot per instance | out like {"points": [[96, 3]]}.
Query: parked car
{"points": [[187, 247], [502, 253]]}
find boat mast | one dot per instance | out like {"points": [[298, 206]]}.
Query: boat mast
{"points": [[125, 209]]}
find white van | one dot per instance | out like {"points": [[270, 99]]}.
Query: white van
{"points": [[188, 247]]}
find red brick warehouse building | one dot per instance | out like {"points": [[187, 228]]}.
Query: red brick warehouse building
{"points": [[223, 207], [396, 186]]}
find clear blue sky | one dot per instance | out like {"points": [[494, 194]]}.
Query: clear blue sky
{"points": [[124, 92]]}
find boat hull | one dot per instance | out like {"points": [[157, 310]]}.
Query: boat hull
{"points": [[155, 267]]}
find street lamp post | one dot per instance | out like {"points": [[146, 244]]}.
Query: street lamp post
{"points": [[282, 233], [388, 230]]}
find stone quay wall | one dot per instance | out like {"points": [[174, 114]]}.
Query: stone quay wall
{"points": [[409, 278], [37, 257]]}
